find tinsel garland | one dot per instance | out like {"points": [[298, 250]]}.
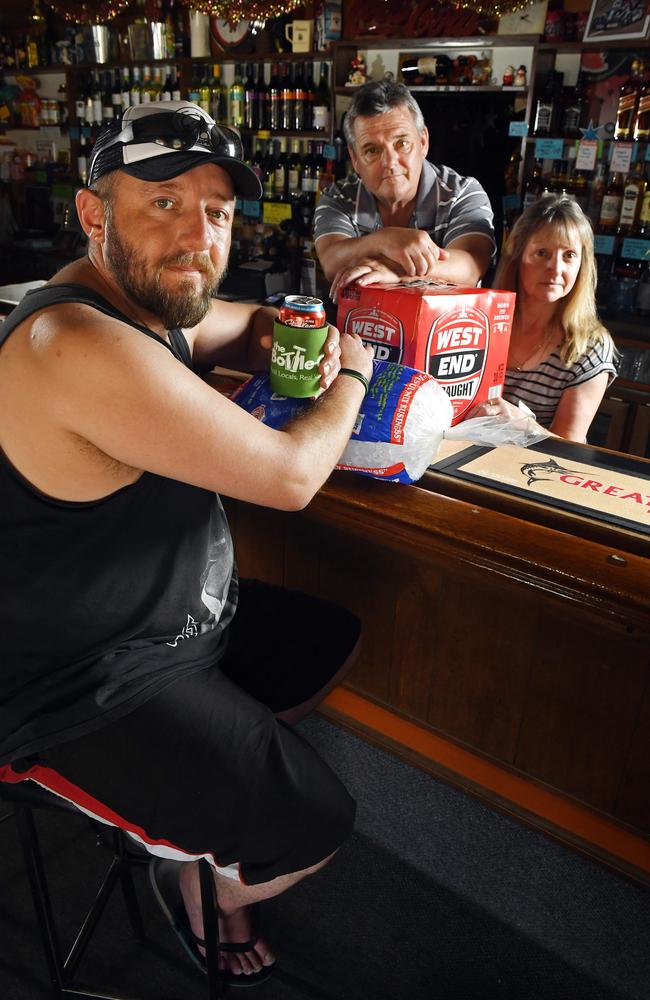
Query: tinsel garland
{"points": [[87, 11], [235, 11], [495, 9]]}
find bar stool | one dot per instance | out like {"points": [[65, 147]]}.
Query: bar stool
{"points": [[27, 797]]}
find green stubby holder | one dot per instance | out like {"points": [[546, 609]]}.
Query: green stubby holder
{"points": [[295, 356]]}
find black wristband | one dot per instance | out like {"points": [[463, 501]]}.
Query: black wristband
{"points": [[354, 374]]}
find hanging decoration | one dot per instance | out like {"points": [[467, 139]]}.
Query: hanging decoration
{"points": [[87, 11], [496, 9], [234, 11]]}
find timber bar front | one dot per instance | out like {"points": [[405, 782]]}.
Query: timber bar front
{"points": [[505, 603]]}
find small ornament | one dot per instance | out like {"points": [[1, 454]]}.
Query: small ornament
{"points": [[520, 77], [509, 76], [590, 132], [358, 73]]}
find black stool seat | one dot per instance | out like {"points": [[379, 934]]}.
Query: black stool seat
{"points": [[26, 797]]}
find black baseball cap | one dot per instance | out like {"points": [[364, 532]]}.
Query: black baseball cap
{"points": [[158, 141]]}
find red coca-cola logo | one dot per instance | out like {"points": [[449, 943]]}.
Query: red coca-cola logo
{"points": [[456, 352], [383, 331]]}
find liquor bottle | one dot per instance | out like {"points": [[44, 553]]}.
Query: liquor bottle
{"points": [[62, 99], [116, 95], [548, 105], [107, 112], [299, 97], [628, 99], [257, 160], [310, 97], [168, 86], [80, 107], [322, 102], [641, 129], [426, 69], [596, 192], [580, 189], [176, 85], [95, 115], [624, 285], [82, 161], [294, 171], [644, 214], [205, 91], [136, 87], [281, 172], [340, 165], [274, 99], [309, 180], [148, 91], [218, 97], [236, 99], [157, 84], [268, 182], [533, 186], [610, 208], [250, 103], [286, 98], [633, 190], [261, 96], [126, 89], [642, 301], [574, 111], [195, 85]]}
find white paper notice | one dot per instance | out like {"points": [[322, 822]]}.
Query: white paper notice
{"points": [[621, 157], [587, 153]]}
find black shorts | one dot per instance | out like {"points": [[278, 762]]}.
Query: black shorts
{"points": [[205, 769]]}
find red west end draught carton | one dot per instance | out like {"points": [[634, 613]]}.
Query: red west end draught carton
{"points": [[458, 335]]}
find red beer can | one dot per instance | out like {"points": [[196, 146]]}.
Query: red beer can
{"points": [[302, 310]]}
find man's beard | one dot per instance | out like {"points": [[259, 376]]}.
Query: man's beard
{"points": [[184, 307]]}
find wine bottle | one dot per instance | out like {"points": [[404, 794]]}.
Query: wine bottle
{"points": [[236, 99], [261, 96], [322, 102], [136, 87], [268, 183], [107, 111], [294, 172], [610, 208], [286, 99], [205, 91], [299, 98], [280, 178], [274, 99], [426, 70], [250, 103]]}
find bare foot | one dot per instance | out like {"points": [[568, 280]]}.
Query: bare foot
{"points": [[234, 927]]}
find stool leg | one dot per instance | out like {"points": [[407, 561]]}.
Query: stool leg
{"points": [[210, 929], [40, 895], [128, 889]]}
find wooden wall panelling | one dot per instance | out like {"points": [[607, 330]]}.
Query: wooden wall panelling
{"points": [[581, 710], [482, 662], [355, 572], [416, 634], [633, 800]]}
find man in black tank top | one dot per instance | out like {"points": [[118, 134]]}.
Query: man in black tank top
{"points": [[140, 675]]}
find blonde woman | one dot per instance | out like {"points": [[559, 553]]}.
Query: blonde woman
{"points": [[561, 357]]}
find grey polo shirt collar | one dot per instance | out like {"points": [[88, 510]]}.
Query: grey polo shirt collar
{"points": [[367, 213]]}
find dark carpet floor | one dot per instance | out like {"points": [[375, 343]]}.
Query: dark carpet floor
{"points": [[435, 897]]}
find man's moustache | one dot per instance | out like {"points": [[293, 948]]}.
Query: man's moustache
{"points": [[200, 262]]}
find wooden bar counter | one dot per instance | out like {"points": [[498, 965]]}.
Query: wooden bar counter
{"points": [[506, 638]]}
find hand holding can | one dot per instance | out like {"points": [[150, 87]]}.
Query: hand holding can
{"points": [[299, 334]]}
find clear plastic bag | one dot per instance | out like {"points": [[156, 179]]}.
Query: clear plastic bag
{"points": [[500, 429]]}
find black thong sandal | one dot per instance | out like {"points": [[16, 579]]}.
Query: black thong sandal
{"points": [[163, 876]]}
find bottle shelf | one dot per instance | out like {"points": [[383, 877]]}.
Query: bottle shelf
{"points": [[451, 88]]}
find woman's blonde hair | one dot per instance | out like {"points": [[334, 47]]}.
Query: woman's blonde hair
{"points": [[576, 311]]}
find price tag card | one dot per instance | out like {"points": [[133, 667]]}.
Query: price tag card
{"points": [[511, 201], [635, 249], [329, 151], [518, 129], [73, 132], [587, 154], [276, 212], [251, 208], [549, 149], [604, 245], [621, 157]]}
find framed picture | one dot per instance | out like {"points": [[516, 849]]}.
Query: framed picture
{"points": [[617, 19]]}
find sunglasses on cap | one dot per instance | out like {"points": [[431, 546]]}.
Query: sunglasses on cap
{"points": [[176, 131]]}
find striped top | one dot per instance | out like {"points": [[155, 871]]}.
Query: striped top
{"points": [[448, 206], [541, 387]]}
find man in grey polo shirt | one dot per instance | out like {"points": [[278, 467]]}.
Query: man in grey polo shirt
{"points": [[400, 215]]}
